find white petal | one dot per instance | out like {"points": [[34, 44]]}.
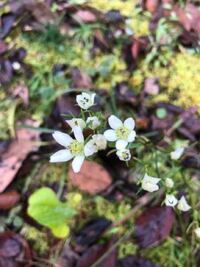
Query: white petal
{"points": [[176, 154], [62, 138], [110, 135], [121, 144], [76, 122], [90, 148], [132, 136], [124, 154], [114, 122], [61, 156], [150, 179], [93, 97], [171, 200], [197, 232], [183, 205], [100, 141], [77, 163], [78, 134], [129, 123], [147, 186]]}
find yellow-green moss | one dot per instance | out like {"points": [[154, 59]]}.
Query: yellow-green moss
{"points": [[37, 238], [126, 7], [179, 81]]}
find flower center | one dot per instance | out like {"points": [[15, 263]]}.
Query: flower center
{"points": [[126, 155], [76, 147], [122, 133]]}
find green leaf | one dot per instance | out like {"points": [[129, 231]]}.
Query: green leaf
{"points": [[47, 210]]}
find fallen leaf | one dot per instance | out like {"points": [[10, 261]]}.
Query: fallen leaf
{"points": [[6, 23], [153, 226], [90, 233], [6, 73], [189, 17], [94, 253], [125, 96], [92, 178], [67, 258], [12, 159], [13, 250], [136, 261], [81, 79], [191, 161], [9, 200], [151, 87], [85, 16]]}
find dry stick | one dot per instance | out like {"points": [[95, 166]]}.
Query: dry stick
{"points": [[140, 202]]}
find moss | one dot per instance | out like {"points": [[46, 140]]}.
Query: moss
{"points": [[37, 238], [126, 248], [171, 253], [179, 81], [126, 7]]}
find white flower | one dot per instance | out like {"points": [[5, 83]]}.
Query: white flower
{"points": [[74, 148], [93, 122], [76, 122], [16, 65], [149, 183], [85, 100], [171, 200], [197, 232], [124, 154], [98, 142], [122, 133], [183, 205], [169, 183], [177, 153]]}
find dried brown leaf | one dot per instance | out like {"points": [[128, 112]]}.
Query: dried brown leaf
{"points": [[12, 159], [92, 178]]}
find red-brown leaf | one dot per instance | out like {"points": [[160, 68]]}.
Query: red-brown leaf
{"points": [[154, 225], [92, 178]]}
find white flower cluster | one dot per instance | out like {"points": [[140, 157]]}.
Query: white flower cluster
{"points": [[150, 184], [122, 133]]}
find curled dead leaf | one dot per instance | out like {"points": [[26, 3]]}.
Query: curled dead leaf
{"points": [[92, 178]]}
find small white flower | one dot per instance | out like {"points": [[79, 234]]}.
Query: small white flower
{"points": [[98, 142], [76, 122], [93, 122], [124, 154], [183, 205], [16, 65], [85, 100], [149, 183], [169, 183], [122, 133], [74, 148], [197, 232], [171, 200], [177, 153]]}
